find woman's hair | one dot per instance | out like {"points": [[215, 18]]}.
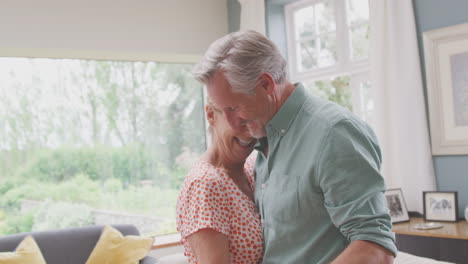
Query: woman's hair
{"points": [[243, 57]]}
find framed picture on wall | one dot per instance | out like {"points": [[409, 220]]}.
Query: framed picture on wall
{"points": [[397, 205], [440, 206], [446, 59]]}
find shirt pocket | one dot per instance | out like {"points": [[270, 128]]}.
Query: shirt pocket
{"points": [[282, 198]]}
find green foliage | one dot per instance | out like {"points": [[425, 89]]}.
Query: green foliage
{"points": [[128, 164], [33, 190], [60, 164], [2, 215], [178, 176], [17, 223], [78, 189], [150, 201], [7, 185], [91, 131], [166, 228], [81, 193], [55, 215], [336, 90], [112, 185]]}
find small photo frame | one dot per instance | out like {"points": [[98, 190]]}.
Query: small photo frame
{"points": [[397, 205], [440, 206]]}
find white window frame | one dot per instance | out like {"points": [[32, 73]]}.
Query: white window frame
{"points": [[358, 70], [344, 63]]}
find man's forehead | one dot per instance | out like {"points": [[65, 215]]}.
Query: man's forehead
{"points": [[220, 97], [222, 102]]}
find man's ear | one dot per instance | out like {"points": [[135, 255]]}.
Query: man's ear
{"points": [[210, 116], [266, 83]]}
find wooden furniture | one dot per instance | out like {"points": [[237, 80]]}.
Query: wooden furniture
{"points": [[449, 243]]}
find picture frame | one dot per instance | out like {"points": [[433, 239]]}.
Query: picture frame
{"points": [[440, 206], [397, 205], [446, 63]]}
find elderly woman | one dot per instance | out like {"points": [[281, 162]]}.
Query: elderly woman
{"points": [[216, 213]]}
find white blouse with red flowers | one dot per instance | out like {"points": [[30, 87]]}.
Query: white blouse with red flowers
{"points": [[209, 198]]}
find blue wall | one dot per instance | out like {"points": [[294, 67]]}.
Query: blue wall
{"points": [[233, 8], [451, 171], [275, 23]]}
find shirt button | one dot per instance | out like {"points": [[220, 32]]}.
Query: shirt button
{"points": [[283, 131], [264, 185]]}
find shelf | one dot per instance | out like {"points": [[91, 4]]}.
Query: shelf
{"points": [[458, 230]]}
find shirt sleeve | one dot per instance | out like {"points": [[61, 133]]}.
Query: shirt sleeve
{"points": [[352, 185], [203, 203]]}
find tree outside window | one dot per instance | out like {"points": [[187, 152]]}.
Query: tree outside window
{"points": [[87, 142]]}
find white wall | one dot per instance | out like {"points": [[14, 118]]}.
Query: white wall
{"points": [[146, 26]]}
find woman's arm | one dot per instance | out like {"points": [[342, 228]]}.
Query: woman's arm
{"points": [[209, 246]]}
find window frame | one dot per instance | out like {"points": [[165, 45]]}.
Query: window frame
{"points": [[344, 65], [83, 54], [357, 70]]}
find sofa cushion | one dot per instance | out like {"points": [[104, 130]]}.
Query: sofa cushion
{"points": [[26, 252], [70, 246], [114, 248]]}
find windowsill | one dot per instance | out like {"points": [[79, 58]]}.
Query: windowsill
{"points": [[165, 241]]}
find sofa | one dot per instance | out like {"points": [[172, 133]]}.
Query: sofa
{"points": [[71, 245]]}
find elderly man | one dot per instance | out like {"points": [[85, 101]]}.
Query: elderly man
{"points": [[318, 186]]}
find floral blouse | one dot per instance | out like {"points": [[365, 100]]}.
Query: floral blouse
{"points": [[209, 198]]}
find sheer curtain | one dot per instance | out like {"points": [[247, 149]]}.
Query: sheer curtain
{"points": [[253, 15], [400, 116]]}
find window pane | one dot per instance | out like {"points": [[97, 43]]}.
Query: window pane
{"points": [[316, 36], [327, 50], [336, 90], [304, 23], [358, 22], [360, 42], [358, 12], [95, 142], [325, 17], [317, 53], [307, 55]]}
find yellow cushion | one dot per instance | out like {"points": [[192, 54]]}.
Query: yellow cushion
{"points": [[113, 248], [26, 252]]}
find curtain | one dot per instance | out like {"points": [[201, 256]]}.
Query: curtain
{"points": [[400, 116], [252, 15]]}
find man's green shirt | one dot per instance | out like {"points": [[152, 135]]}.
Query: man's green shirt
{"points": [[320, 186]]}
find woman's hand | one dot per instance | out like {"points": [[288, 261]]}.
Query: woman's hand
{"points": [[209, 246]]}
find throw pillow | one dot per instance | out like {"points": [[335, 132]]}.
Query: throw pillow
{"points": [[26, 252], [113, 248]]}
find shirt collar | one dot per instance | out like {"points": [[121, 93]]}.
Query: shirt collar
{"points": [[283, 119]]}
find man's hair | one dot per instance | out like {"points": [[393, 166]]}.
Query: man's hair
{"points": [[243, 57]]}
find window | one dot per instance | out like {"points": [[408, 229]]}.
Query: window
{"points": [[328, 47], [87, 142]]}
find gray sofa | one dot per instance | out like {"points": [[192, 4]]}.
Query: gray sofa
{"points": [[68, 246]]}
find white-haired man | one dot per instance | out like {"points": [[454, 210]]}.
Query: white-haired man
{"points": [[318, 186]]}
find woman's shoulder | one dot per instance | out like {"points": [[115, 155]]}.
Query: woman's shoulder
{"points": [[203, 173]]}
